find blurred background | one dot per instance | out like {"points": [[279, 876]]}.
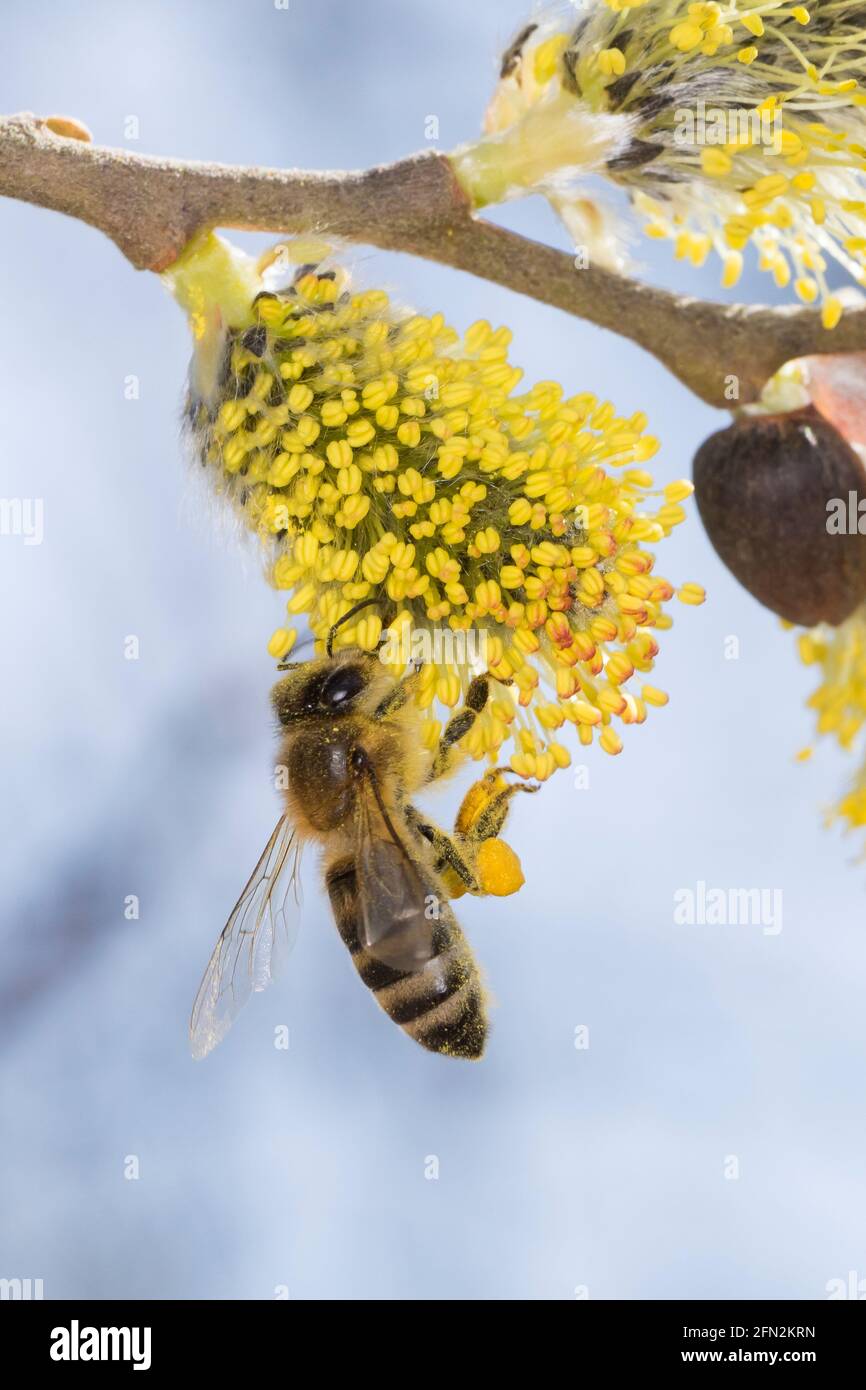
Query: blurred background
{"points": [[129, 1171]]}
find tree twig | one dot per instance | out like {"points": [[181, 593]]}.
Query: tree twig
{"points": [[151, 207]]}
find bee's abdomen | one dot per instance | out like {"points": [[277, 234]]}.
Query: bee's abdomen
{"points": [[441, 1005]]}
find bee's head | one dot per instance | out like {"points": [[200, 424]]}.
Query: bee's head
{"points": [[331, 686], [350, 681]]}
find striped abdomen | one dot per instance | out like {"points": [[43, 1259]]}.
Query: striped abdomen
{"points": [[441, 1005]]}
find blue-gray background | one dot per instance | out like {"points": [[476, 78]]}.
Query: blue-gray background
{"points": [[559, 1168]]}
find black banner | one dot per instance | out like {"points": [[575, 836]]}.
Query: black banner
{"points": [[76, 1338]]}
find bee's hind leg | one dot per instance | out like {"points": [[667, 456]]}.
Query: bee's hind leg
{"points": [[492, 818], [481, 816]]}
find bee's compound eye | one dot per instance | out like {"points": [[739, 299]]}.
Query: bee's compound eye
{"points": [[341, 687]]}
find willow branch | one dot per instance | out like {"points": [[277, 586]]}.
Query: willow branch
{"points": [[151, 207]]}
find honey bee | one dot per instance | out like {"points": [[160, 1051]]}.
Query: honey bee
{"points": [[353, 756]]}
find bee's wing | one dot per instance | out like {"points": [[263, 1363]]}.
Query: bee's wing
{"points": [[254, 942], [398, 911]]}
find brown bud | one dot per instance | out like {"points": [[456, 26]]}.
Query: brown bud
{"points": [[768, 489], [68, 127]]}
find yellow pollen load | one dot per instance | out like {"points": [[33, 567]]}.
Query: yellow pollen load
{"points": [[498, 867], [496, 527]]}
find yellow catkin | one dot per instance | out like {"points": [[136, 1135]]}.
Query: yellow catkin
{"points": [[377, 456]]}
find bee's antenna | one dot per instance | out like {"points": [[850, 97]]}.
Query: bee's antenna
{"points": [[295, 665], [365, 603]]}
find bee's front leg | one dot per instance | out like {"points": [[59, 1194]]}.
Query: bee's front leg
{"points": [[459, 725], [402, 693]]}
